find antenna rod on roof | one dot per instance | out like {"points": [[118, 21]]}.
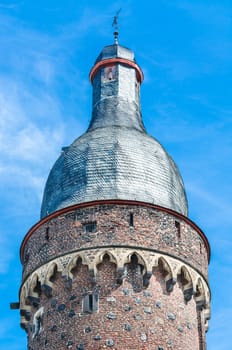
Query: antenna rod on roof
{"points": [[115, 25]]}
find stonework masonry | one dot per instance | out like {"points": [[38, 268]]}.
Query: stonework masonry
{"points": [[152, 229], [144, 287], [129, 316]]}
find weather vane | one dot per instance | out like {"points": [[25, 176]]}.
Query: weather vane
{"points": [[115, 25]]}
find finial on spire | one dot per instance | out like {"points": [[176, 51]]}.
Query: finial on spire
{"points": [[115, 25]]}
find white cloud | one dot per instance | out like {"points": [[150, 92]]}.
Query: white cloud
{"points": [[45, 70], [6, 253], [8, 337], [5, 258], [215, 201], [10, 6], [25, 141], [220, 326]]}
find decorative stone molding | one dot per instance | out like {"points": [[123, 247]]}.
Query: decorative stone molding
{"points": [[193, 284]]}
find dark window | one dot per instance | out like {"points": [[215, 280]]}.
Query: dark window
{"points": [[90, 302], [200, 247], [109, 73], [131, 219], [90, 226], [47, 234], [26, 257], [177, 225]]}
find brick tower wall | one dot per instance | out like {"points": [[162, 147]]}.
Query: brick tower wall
{"points": [[121, 276]]}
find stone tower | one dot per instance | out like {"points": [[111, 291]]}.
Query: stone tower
{"points": [[114, 261]]}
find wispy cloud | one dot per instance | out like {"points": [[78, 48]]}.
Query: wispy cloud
{"points": [[31, 121], [12, 5], [8, 337], [221, 326], [220, 205], [36, 79], [5, 256]]}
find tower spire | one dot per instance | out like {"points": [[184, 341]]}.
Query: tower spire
{"points": [[114, 236], [115, 25]]}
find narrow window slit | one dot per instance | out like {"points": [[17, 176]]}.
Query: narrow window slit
{"points": [[47, 234], [200, 247], [90, 302], [131, 220], [177, 225]]}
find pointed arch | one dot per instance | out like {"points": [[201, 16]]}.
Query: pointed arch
{"points": [[112, 258], [25, 308], [34, 290], [23, 296], [107, 266], [200, 295], [165, 268], [73, 265], [140, 260], [51, 273], [50, 278], [134, 270], [186, 283]]}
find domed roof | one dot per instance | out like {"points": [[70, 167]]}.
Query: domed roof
{"points": [[116, 163], [114, 159]]}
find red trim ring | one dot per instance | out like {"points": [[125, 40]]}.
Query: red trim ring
{"points": [[109, 61]]}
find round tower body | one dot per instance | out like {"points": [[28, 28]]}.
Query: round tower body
{"points": [[114, 261]]}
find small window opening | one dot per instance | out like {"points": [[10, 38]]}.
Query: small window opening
{"points": [[177, 225], [90, 226], [26, 257], [109, 73], [90, 303], [47, 234], [200, 247], [131, 221]]}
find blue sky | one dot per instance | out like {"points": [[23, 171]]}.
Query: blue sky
{"points": [[185, 50]]}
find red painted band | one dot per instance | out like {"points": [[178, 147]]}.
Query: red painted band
{"points": [[110, 61]]}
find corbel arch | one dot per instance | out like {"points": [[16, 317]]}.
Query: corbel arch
{"points": [[200, 295], [134, 270], [140, 258], [73, 264], [186, 282], [107, 265], [98, 260], [23, 296], [47, 285], [34, 290], [165, 268], [100, 257], [207, 315], [25, 308]]}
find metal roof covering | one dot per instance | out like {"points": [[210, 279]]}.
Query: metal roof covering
{"points": [[114, 163], [114, 159]]}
